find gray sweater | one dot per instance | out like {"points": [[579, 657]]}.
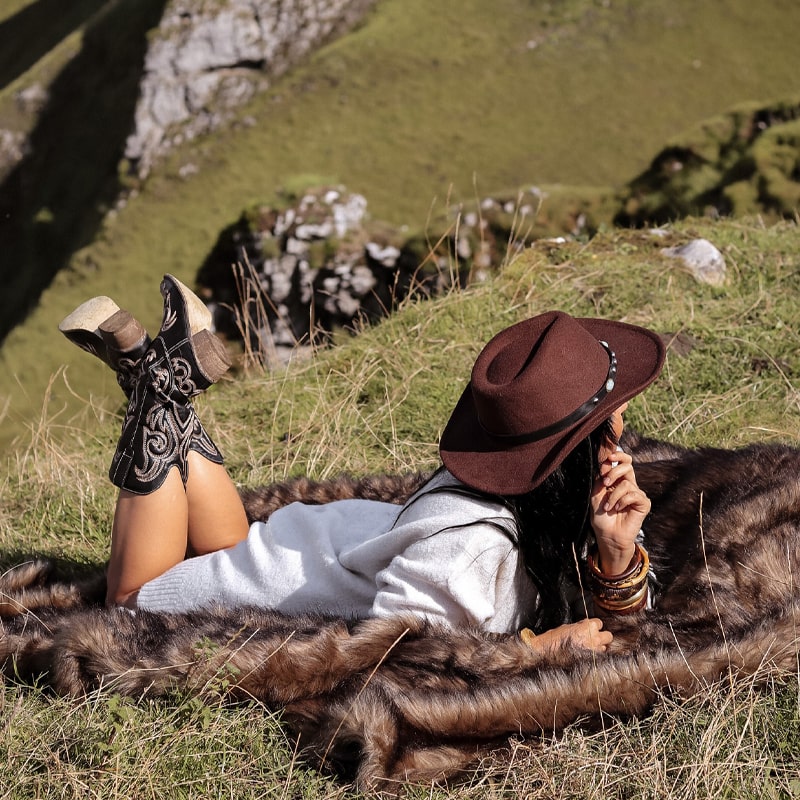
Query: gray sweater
{"points": [[443, 555]]}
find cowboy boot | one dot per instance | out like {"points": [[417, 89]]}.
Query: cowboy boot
{"points": [[103, 329], [160, 425]]}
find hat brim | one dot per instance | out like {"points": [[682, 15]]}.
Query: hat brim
{"points": [[481, 461]]}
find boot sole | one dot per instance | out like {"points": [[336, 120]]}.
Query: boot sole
{"points": [[198, 314], [88, 316], [82, 326]]}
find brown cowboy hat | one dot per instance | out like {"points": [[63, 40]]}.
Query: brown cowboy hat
{"points": [[537, 389]]}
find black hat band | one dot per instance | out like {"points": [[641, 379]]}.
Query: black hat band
{"points": [[567, 422]]}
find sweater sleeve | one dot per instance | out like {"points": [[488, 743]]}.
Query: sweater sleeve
{"points": [[459, 577]]}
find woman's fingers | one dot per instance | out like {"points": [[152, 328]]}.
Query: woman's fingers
{"points": [[625, 496], [622, 468], [590, 635], [587, 634]]}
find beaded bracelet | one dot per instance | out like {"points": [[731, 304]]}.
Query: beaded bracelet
{"points": [[623, 593], [633, 603], [638, 567]]}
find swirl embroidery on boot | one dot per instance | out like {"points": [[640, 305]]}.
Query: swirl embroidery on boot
{"points": [[170, 316], [161, 381], [166, 436], [182, 377], [127, 373]]}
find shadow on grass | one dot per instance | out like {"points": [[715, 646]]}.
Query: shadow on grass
{"points": [[37, 29], [52, 203]]}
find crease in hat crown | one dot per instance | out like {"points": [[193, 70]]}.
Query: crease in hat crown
{"points": [[525, 387]]}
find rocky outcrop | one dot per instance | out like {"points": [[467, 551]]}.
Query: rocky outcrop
{"points": [[209, 56], [293, 273], [285, 276]]}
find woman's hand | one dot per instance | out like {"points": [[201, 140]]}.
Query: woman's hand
{"points": [[619, 508], [587, 634]]}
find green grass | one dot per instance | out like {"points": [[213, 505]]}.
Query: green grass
{"points": [[377, 402], [422, 104]]}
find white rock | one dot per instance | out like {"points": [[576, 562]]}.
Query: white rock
{"points": [[362, 280], [704, 261], [309, 231], [13, 148], [281, 287], [463, 247], [32, 99], [387, 256], [346, 304], [295, 247], [349, 215]]}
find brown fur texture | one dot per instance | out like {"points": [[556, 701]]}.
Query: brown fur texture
{"points": [[400, 699]]}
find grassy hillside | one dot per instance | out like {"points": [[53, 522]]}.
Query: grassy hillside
{"points": [[424, 103], [378, 402]]}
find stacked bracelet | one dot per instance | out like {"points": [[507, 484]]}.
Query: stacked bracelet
{"points": [[624, 593]]}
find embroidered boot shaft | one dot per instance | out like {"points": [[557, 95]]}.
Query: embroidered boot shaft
{"points": [[103, 329], [160, 425]]}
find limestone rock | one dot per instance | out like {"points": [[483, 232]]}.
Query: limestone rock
{"points": [[210, 56], [13, 147], [304, 270]]}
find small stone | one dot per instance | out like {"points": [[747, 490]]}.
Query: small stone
{"points": [[704, 261], [32, 99]]}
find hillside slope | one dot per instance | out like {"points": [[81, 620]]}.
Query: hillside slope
{"points": [[423, 102]]}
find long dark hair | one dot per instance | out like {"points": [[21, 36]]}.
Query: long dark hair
{"points": [[553, 524]]}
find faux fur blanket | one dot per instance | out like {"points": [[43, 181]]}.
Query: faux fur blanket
{"points": [[403, 700]]}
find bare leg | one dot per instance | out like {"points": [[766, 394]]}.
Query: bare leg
{"points": [[217, 519], [148, 537], [153, 532]]}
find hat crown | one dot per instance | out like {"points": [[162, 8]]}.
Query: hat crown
{"points": [[536, 373]]}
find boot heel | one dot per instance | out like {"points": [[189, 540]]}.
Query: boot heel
{"points": [[211, 355], [123, 333]]}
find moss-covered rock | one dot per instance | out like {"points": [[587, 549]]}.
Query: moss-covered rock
{"points": [[743, 162]]}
